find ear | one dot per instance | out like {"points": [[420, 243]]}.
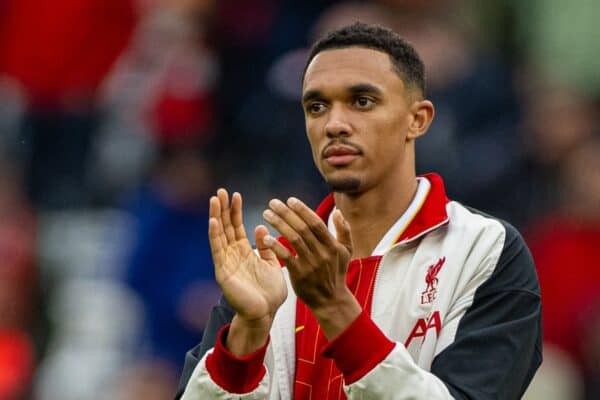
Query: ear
{"points": [[421, 115]]}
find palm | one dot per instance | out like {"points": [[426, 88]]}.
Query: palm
{"points": [[252, 284]]}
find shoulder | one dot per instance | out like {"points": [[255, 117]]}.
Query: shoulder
{"points": [[470, 221], [498, 244]]}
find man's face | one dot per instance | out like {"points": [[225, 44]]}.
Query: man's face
{"points": [[357, 114]]}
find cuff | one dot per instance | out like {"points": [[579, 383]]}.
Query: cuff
{"points": [[359, 349], [235, 374]]}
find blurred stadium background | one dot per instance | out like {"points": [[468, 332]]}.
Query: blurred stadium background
{"points": [[119, 117]]}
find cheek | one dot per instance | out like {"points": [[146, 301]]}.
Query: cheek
{"points": [[313, 141], [397, 131], [389, 141]]}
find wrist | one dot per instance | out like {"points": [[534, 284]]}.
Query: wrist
{"points": [[247, 336], [335, 316]]}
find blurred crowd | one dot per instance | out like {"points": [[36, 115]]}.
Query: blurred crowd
{"points": [[119, 118]]}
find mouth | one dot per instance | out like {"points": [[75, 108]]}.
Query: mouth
{"points": [[339, 155]]}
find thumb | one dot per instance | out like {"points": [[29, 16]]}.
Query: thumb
{"points": [[342, 230], [263, 251]]}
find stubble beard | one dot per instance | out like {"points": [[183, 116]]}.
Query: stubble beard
{"points": [[344, 185]]}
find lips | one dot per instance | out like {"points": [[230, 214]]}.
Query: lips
{"points": [[340, 155]]}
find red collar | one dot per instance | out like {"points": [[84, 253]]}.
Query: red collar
{"points": [[432, 214]]}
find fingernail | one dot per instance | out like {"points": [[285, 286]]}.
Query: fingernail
{"points": [[268, 214], [276, 203], [269, 240], [292, 201]]}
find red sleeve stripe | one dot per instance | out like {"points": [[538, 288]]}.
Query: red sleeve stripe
{"points": [[235, 374], [359, 349]]}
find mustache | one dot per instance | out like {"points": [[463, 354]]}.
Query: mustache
{"points": [[341, 142]]}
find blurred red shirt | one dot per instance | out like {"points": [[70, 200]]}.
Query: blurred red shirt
{"points": [[567, 257], [60, 50]]}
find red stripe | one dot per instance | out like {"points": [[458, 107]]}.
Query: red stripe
{"points": [[235, 374], [356, 361], [432, 213], [326, 207]]}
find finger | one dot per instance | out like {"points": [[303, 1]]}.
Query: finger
{"points": [[280, 252], [216, 236], [226, 215], [264, 251], [290, 234], [313, 221], [214, 239], [296, 223], [236, 216], [342, 230]]}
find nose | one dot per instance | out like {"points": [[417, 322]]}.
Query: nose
{"points": [[337, 123]]}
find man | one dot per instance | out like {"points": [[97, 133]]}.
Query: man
{"points": [[389, 290]]}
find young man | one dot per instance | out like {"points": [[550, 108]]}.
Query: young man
{"points": [[389, 290]]}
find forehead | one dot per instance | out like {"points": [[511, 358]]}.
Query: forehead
{"points": [[342, 68]]}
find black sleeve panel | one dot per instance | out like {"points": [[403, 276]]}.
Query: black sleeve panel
{"points": [[220, 315], [498, 344]]}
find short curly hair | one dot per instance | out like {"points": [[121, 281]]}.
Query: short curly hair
{"points": [[404, 57]]}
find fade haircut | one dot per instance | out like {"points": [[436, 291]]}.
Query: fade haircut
{"points": [[405, 59]]}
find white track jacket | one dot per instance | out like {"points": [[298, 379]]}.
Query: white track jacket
{"points": [[455, 314]]}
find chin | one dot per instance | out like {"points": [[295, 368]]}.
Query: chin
{"points": [[348, 185]]}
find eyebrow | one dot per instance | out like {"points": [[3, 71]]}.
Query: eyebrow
{"points": [[312, 95], [365, 88], [315, 94]]}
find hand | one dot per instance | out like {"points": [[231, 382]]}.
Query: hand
{"points": [[318, 271], [253, 285]]}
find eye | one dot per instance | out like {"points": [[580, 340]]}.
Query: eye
{"points": [[364, 102], [315, 108]]}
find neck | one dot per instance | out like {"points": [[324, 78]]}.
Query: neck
{"points": [[372, 213]]}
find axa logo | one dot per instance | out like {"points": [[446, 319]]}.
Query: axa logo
{"points": [[423, 325], [428, 295]]}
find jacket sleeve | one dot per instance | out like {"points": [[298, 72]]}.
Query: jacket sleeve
{"points": [[212, 372], [222, 375], [498, 344], [220, 315], [493, 352]]}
